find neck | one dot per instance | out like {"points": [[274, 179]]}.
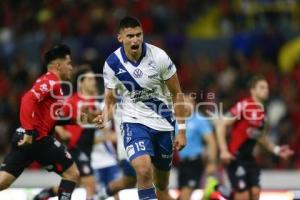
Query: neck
{"points": [[257, 99], [54, 72]]}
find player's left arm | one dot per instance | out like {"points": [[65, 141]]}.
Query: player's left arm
{"points": [[283, 151], [179, 107]]}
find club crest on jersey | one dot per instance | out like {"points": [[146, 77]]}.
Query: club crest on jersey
{"points": [[137, 73], [152, 64]]}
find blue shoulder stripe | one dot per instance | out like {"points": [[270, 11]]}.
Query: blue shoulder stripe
{"points": [[122, 74]]}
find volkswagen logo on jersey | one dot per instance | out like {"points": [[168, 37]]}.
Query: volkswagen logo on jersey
{"points": [[137, 73]]}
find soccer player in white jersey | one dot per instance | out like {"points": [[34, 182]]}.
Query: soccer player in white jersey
{"points": [[150, 84]]}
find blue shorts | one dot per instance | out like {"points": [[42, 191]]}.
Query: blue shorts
{"points": [[105, 175], [141, 140]]}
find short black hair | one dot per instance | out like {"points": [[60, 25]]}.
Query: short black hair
{"points": [[80, 71], [56, 52], [255, 79], [129, 22]]}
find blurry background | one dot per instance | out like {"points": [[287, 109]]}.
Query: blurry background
{"points": [[216, 45]]}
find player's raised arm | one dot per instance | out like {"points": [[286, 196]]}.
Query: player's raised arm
{"points": [[179, 107]]}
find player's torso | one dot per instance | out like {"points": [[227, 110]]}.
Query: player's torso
{"points": [[147, 82], [48, 113], [251, 123], [81, 137], [193, 137], [141, 85], [77, 104], [247, 129]]}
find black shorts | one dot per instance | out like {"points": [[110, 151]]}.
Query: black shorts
{"points": [[82, 161], [190, 172], [243, 174], [49, 152]]}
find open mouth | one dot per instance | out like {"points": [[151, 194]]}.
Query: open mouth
{"points": [[135, 47]]}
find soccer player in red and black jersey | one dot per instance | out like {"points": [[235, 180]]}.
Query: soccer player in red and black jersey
{"points": [[248, 121], [38, 113], [79, 139]]}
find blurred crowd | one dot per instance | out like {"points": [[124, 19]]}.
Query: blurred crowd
{"points": [[216, 45]]}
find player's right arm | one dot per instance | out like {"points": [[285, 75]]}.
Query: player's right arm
{"points": [[108, 110], [221, 125], [110, 82]]}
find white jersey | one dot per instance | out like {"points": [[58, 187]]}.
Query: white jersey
{"points": [[145, 96]]}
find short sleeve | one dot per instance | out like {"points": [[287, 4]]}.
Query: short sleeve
{"points": [[110, 80], [168, 69]]}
